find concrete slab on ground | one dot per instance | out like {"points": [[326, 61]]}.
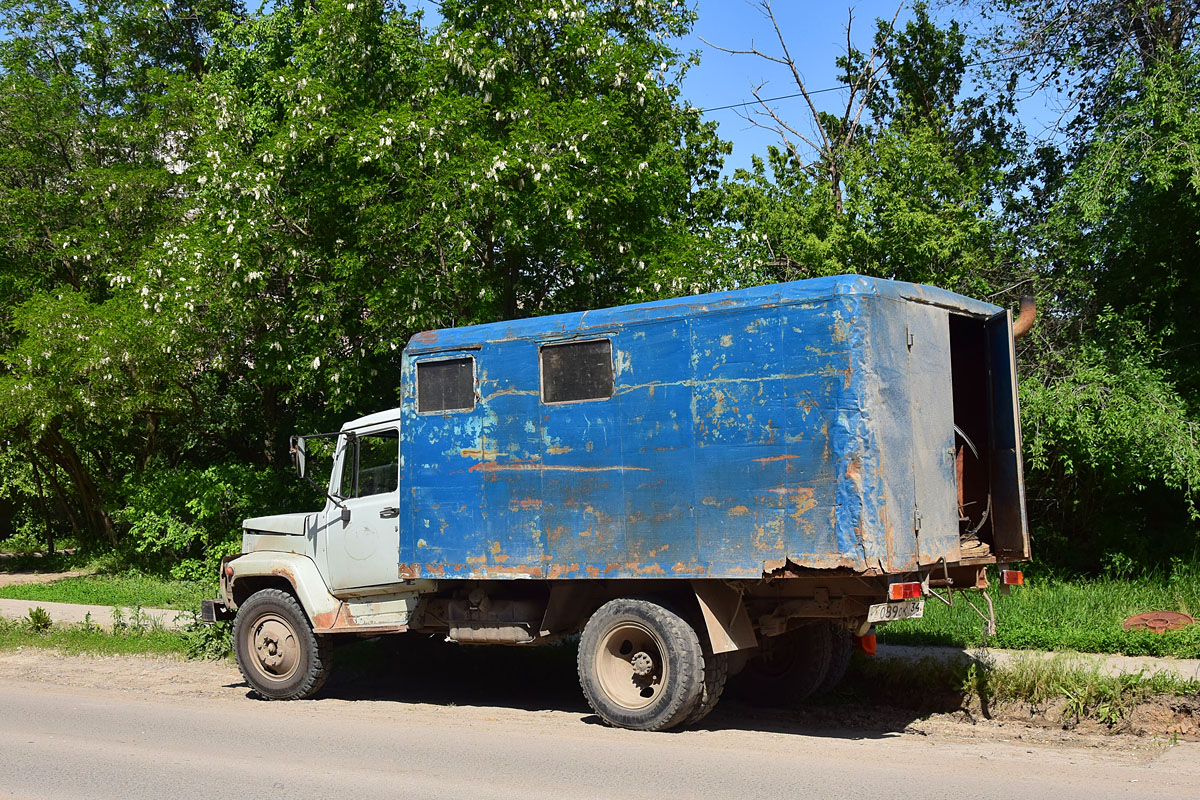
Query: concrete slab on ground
{"points": [[100, 616], [1186, 668]]}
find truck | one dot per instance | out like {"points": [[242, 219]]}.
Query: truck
{"points": [[722, 486]]}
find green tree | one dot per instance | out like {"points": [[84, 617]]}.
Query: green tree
{"points": [[92, 128], [1112, 233], [286, 195]]}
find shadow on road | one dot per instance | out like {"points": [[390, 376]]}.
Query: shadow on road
{"points": [[413, 669]]}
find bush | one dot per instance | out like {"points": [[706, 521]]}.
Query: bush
{"points": [[182, 520], [1112, 454]]}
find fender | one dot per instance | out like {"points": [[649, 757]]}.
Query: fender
{"points": [[298, 570], [389, 613]]}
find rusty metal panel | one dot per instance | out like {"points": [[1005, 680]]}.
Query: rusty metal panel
{"points": [[658, 436], [932, 409], [748, 431], [888, 532], [1009, 523]]}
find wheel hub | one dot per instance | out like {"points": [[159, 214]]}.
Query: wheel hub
{"points": [[630, 665], [276, 648], [642, 664]]}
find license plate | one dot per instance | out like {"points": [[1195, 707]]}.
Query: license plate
{"points": [[887, 612]]}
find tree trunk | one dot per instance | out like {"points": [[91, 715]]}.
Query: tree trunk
{"points": [[64, 454], [41, 495]]}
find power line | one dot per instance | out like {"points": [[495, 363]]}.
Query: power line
{"points": [[773, 99], [843, 86]]}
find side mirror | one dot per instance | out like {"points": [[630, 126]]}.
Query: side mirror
{"points": [[299, 455]]}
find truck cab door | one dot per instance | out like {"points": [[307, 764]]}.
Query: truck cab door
{"points": [[361, 551]]}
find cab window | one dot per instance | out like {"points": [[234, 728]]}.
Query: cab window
{"points": [[371, 465]]}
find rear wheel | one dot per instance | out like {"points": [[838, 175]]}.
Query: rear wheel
{"points": [[839, 657], [716, 670], [640, 665], [788, 668], [277, 652]]}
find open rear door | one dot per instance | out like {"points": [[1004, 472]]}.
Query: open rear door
{"points": [[1010, 526]]}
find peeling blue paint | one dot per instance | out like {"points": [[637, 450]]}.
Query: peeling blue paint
{"points": [[747, 429]]}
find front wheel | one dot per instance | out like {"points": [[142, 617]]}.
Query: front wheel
{"points": [[277, 652], [640, 665]]}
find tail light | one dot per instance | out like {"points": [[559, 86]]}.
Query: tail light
{"points": [[904, 591], [1012, 577]]}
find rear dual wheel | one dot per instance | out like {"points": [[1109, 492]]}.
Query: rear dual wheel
{"points": [[795, 666], [641, 666]]}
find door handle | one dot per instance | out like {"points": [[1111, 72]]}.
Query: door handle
{"points": [[389, 513]]}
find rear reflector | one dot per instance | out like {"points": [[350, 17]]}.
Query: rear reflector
{"points": [[904, 591], [1012, 577]]}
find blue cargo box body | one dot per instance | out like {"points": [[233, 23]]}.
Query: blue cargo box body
{"points": [[799, 425]]}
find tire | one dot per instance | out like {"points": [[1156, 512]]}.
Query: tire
{"points": [[277, 652], [839, 659], [716, 670], [789, 668], [640, 665]]}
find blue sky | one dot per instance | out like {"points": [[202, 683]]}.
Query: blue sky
{"points": [[816, 35]]}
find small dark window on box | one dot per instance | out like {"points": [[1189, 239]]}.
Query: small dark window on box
{"points": [[577, 371], [446, 385]]}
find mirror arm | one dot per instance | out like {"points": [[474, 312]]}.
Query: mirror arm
{"points": [[295, 450]]}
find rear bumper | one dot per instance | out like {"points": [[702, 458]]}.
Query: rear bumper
{"points": [[214, 611]]}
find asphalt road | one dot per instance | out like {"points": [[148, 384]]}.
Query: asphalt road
{"points": [[138, 728]]}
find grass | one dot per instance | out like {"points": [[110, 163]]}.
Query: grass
{"points": [[36, 631], [1055, 614], [127, 590]]}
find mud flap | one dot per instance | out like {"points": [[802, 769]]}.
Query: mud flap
{"points": [[725, 618]]}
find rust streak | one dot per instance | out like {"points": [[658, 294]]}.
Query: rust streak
{"points": [[480, 453], [562, 570], [648, 569], [526, 503], [523, 466], [785, 457], [516, 571]]}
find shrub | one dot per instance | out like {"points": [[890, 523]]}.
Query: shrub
{"points": [[182, 520]]}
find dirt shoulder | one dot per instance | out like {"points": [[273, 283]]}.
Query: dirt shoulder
{"points": [[134, 725], [19, 578], [428, 691]]}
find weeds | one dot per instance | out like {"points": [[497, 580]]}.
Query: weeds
{"points": [[38, 620], [87, 637], [208, 642]]}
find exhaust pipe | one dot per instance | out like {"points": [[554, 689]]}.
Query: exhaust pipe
{"points": [[1024, 320]]}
